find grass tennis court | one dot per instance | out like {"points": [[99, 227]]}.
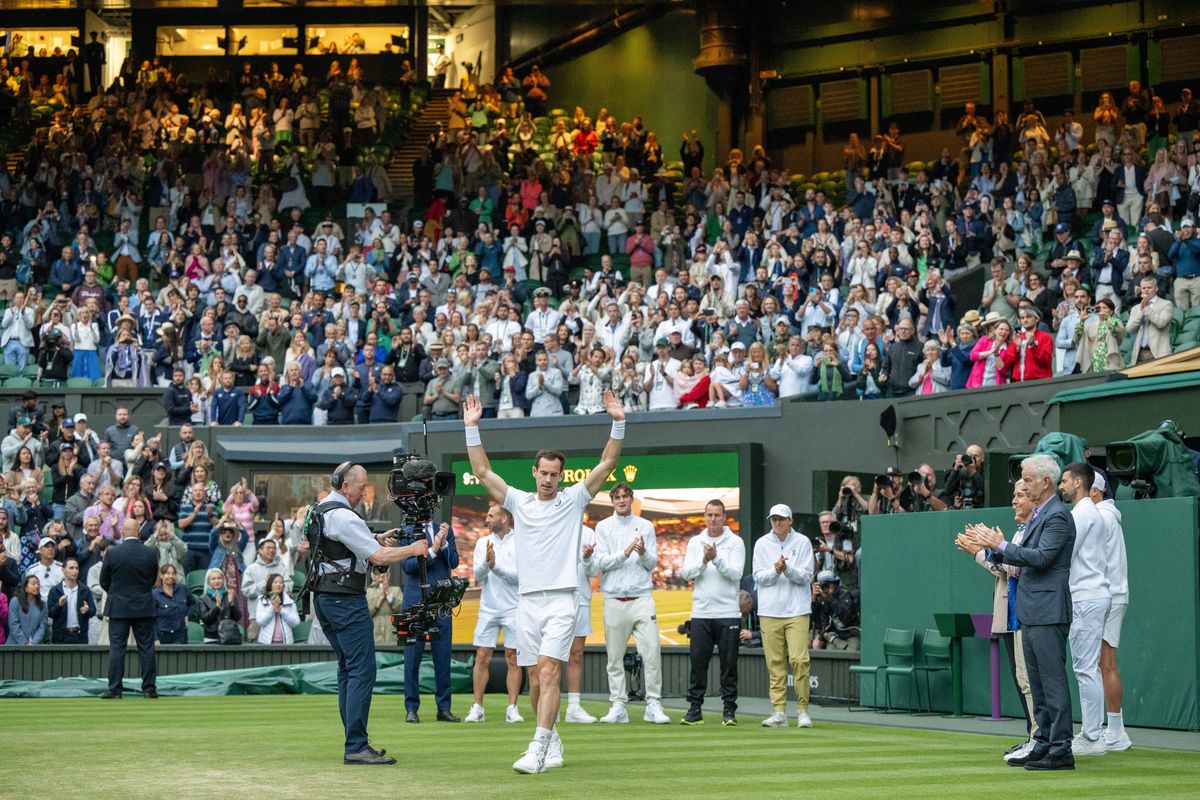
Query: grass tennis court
{"points": [[290, 746], [673, 607]]}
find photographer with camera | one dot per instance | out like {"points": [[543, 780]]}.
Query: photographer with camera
{"points": [[343, 550], [920, 495], [836, 549], [964, 482], [441, 562], [885, 496], [835, 615]]}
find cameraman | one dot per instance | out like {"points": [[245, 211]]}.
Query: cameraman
{"points": [[885, 496], [343, 551], [964, 482], [835, 615], [919, 494], [835, 549], [850, 505]]}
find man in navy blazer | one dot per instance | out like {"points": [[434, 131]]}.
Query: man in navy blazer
{"points": [[1128, 181], [128, 575], [1043, 609], [71, 606], [442, 559]]}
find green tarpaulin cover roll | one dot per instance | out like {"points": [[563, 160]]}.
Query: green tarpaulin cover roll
{"points": [[319, 677]]}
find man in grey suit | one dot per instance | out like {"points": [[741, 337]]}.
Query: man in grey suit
{"points": [[128, 575], [1043, 609]]}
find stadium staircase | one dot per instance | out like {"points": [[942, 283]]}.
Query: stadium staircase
{"points": [[435, 111]]}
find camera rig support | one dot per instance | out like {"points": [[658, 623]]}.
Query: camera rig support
{"points": [[418, 488]]}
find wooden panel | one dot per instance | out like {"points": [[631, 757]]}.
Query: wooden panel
{"points": [[1102, 68], [790, 107], [961, 83], [911, 92], [1047, 75], [843, 101], [1180, 57]]}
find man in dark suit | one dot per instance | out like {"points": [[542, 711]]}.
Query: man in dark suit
{"points": [[1043, 609], [128, 575], [441, 561]]}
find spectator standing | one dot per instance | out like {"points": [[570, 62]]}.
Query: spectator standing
{"points": [[27, 614], [783, 570], [173, 605], [70, 606], [275, 613], [903, 356], [1149, 323], [128, 577], [544, 388], [217, 604], [444, 393], [714, 559], [1035, 348], [1185, 257]]}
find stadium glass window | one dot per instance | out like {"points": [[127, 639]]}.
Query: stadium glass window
{"points": [[172, 41], [263, 40], [357, 39], [44, 41], [284, 492]]}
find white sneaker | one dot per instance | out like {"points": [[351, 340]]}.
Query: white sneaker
{"points": [[776, 720], [654, 713], [554, 753], [719, 404], [476, 714], [1020, 752], [1117, 745], [803, 720], [533, 760], [616, 715], [1083, 746], [510, 715], [577, 714]]}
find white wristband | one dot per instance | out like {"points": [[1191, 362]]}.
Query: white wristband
{"points": [[618, 429], [473, 439]]}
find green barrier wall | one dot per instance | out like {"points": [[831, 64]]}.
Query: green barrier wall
{"points": [[912, 570]]}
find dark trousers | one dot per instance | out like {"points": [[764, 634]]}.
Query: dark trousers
{"points": [[723, 633], [441, 670], [195, 559], [1046, 662], [347, 625], [118, 639]]}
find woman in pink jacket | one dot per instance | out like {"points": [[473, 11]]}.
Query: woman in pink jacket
{"points": [[993, 354]]}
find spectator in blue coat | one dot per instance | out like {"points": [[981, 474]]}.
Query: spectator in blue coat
{"points": [[228, 540], [177, 399], [27, 614], [384, 397], [296, 398], [66, 274], [172, 606], [228, 402], [958, 356], [339, 399]]}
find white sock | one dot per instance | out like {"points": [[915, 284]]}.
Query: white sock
{"points": [[572, 699], [1116, 725], [541, 735], [477, 705], [554, 734]]}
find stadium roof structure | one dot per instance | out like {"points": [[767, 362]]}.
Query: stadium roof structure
{"points": [[367, 447]]}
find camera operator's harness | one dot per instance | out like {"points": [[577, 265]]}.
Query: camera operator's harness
{"points": [[335, 579]]}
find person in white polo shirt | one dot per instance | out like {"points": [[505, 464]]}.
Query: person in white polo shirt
{"points": [[1117, 569], [496, 572], [714, 559], [783, 572], [1090, 602], [626, 553], [583, 629], [549, 525]]}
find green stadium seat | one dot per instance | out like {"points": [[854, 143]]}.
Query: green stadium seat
{"points": [[195, 581], [899, 649], [195, 633], [100, 383], [8, 371], [297, 580], [301, 631], [79, 383], [935, 651], [20, 382], [33, 372]]}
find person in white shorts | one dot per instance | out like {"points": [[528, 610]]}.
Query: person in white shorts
{"points": [[627, 553], [583, 629], [549, 526], [496, 572], [1117, 567]]}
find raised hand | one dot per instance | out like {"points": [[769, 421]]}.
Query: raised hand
{"points": [[613, 406], [472, 411]]}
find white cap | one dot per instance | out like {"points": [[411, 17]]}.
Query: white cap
{"points": [[80, 418], [780, 510], [1098, 482], [45, 540], [336, 372]]}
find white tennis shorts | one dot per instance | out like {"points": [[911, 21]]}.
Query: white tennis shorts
{"points": [[545, 626], [489, 628], [1112, 624], [583, 619]]}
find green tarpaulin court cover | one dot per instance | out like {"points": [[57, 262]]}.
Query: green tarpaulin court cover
{"points": [[319, 677]]}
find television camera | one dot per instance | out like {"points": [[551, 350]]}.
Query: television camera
{"points": [[418, 488]]}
